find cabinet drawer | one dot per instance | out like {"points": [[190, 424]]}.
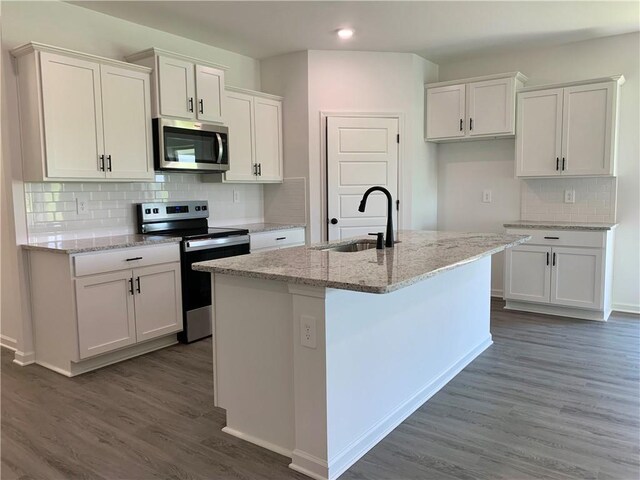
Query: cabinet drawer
{"points": [[123, 258], [277, 239], [568, 238]]}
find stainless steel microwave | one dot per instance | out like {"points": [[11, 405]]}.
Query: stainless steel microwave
{"points": [[181, 145]]}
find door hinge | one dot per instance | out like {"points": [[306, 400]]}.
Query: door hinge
{"points": [[398, 205], [398, 138]]}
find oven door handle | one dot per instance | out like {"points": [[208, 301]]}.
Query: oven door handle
{"points": [[220, 150], [211, 243]]}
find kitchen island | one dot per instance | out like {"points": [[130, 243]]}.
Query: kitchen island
{"points": [[319, 352]]}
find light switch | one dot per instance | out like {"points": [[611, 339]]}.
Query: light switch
{"points": [[569, 196]]}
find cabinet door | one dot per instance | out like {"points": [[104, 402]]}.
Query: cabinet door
{"points": [[127, 123], [588, 129], [445, 112], [239, 119], [72, 116], [528, 273], [268, 139], [490, 107], [577, 278], [177, 88], [539, 133], [210, 93], [105, 313], [158, 300]]}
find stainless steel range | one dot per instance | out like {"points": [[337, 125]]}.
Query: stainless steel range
{"points": [[199, 243]]}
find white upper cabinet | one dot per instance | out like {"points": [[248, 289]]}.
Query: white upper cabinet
{"points": [[82, 117], [184, 87], [568, 130], [255, 129], [473, 108]]}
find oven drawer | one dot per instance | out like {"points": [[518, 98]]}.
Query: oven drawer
{"points": [[123, 258], [277, 239], [564, 238]]}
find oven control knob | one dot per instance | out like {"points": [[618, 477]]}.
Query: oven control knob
{"points": [[147, 211], [197, 208], [204, 207], [155, 210]]}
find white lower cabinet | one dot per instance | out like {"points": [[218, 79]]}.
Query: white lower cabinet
{"points": [[567, 273], [105, 307]]}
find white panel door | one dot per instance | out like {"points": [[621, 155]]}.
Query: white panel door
{"points": [[127, 123], [210, 93], [490, 108], [268, 139], [528, 273], [446, 112], [72, 116], [539, 133], [105, 312], [239, 120], [177, 88], [577, 277], [158, 300], [587, 129], [361, 152]]}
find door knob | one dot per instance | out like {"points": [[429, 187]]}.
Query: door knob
{"points": [[334, 221]]}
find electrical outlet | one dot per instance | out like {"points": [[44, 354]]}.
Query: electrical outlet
{"points": [[236, 196], [308, 331], [569, 196], [82, 205], [486, 196]]}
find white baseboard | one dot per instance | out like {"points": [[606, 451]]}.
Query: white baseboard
{"points": [[8, 342], [559, 311], [354, 451], [626, 308], [258, 441], [24, 358], [499, 293]]}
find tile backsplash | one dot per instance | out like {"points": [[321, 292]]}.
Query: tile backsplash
{"points": [[595, 199], [51, 207]]}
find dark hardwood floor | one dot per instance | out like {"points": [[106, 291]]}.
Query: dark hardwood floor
{"points": [[552, 398]]}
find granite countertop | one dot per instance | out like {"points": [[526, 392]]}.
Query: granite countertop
{"points": [[83, 245], [419, 255], [588, 226], [267, 227]]}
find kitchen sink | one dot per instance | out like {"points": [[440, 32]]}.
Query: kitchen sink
{"points": [[356, 246]]}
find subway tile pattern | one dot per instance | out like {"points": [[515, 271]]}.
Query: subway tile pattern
{"points": [[52, 215], [595, 200]]}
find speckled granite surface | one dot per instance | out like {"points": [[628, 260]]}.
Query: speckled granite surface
{"points": [[560, 225], [419, 255], [266, 227], [83, 245]]}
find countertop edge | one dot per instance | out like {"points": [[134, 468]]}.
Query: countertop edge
{"points": [[560, 226], [73, 251], [354, 286], [267, 227]]}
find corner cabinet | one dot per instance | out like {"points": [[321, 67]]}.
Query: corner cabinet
{"points": [[82, 117], [568, 130], [472, 109], [255, 130], [561, 272], [107, 306], [184, 87]]}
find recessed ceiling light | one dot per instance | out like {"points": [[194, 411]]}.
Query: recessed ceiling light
{"points": [[345, 33]]}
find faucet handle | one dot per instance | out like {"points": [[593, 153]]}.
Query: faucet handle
{"points": [[379, 240]]}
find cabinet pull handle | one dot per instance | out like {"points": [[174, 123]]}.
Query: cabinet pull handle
{"points": [[101, 165], [281, 238], [201, 102], [547, 259], [190, 104], [471, 124], [108, 163], [554, 259], [131, 286], [552, 238], [557, 163], [255, 169], [132, 259], [563, 164], [461, 124], [260, 169], [138, 284]]}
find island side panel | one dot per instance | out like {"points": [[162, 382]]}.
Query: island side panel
{"points": [[253, 359], [385, 356]]}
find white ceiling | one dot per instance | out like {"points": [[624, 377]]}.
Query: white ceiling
{"points": [[439, 31]]}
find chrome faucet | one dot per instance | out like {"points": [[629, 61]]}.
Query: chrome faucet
{"points": [[363, 203]]}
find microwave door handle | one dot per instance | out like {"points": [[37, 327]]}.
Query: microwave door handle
{"points": [[219, 148]]}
